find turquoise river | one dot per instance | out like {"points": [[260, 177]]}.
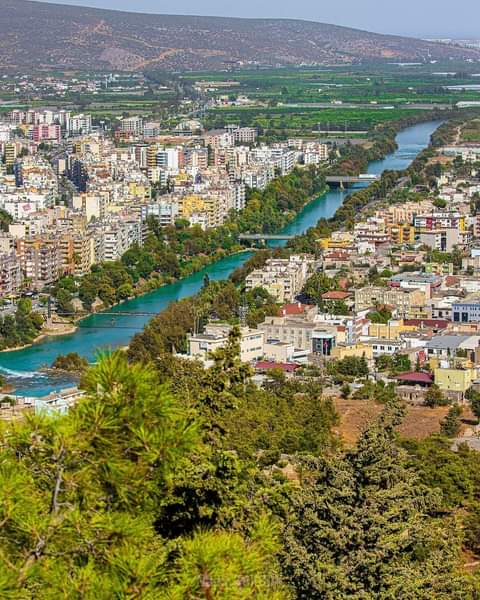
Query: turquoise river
{"points": [[103, 331]]}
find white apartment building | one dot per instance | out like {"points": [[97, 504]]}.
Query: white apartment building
{"points": [[132, 126], [166, 212], [240, 196], [216, 336], [243, 135], [115, 241], [151, 129], [79, 124], [283, 278]]}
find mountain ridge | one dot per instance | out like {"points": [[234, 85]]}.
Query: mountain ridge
{"points": [[45, 36]]}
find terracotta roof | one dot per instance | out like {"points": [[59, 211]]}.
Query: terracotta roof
{"points": [[294, 309], [416, 377], [451, 280], [265, 365], [336, 295], [427, 323]]}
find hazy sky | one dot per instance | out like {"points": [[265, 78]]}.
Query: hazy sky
{"points": [[425, 18]]}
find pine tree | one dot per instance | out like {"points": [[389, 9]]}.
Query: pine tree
{"points": [[363, 527], [79, 496], [451, 424]]}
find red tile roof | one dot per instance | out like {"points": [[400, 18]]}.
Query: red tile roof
{"points": [[294, 309], [416, 377], [451, 280], [427, 323], [336, 295]]}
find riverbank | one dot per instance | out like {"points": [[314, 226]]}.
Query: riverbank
{"points": [[160, 337], [57, 330], [103, 332], [172, 253], [143, 271]]}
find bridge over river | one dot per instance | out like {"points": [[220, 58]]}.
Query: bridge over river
{"points": [[263, 237], [22, 368], [344, 180]]}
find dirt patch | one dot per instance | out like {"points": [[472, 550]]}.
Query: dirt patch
{"points": [[419, 423]]}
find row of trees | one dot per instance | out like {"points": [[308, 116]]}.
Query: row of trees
{"points": [[173, 252], [354, 161], [218, 300]]}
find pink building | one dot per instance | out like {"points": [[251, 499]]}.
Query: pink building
{"points": [[46, 132]]}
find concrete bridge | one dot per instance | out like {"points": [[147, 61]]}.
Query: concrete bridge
{"points": [[344, 180], [263, 237]]}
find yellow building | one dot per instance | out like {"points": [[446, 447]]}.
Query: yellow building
{"points": [[391, 331], [454, 380], [339, 241], [358, 350], [10, 154], [403, 233], [208, 211], [152, 156], [139, 190]]}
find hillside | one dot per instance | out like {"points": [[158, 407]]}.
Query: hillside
{"points": [[39, 35]]}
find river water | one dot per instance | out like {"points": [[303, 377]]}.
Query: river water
{"points": [[103, 331]]}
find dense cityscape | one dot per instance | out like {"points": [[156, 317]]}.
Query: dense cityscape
{"points": [[239, 310]]}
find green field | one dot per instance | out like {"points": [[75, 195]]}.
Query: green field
{"points": [[471, 131], [288, 101], [383, 84], [306, 120]]}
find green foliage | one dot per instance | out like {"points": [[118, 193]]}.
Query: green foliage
{"points": [[106, 281], [398, 363], [285, 418], [451, 424], [377, 391], [270, 210], [435, 397], [456, 474], [22, 328], [71, 362], [64, 302], [74, 489], [5, 219], [168, 331], [381, 316], [350, 366], [316, 286], [363, 526], [474, 399], [440, 203], [79, 496], [212, 565]]}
